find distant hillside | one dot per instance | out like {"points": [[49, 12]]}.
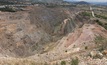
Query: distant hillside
{"points": [[7, 2], [104, 3], [48, 1], [82, 2], [99, 3]]}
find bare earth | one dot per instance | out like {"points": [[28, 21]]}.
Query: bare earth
{"points": [[48, 35]]}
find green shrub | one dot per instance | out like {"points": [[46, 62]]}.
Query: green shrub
{"points": [[86, 14], [101, 49], [105, 26], [99, 22], [7, 9], [86, 47], [75, 62], [63, 63], [65, 50]]}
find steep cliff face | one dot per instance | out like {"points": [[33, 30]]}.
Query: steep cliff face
{"points": [[56, 20]]}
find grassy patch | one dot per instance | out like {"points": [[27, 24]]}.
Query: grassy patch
{"points": [[105, 26], [102, 24], [18, 61], [86, 14], [75, 62], [99, 39], [86, 47], [99, 22], [63, 63], [101, 42], [100, 16]]}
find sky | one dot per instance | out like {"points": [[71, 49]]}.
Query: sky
{"points": [[89, 0]]}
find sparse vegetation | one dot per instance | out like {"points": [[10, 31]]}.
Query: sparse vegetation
{"points": [[73, 46], [101, 42], [50, 35], [101, 24], [56, 63], [33, 64], [63, 63], [75, 61], [65, 50], [46, 63], [86, 14], [101, 48], [99, 39], [86, 47], [100, 16], [7, 9], [16, 61], [105, 26]]}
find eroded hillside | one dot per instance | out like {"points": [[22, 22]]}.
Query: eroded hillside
{"points": [[49, 35], [26, 33]]}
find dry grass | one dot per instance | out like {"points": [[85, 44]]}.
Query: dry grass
{"points": [[18, 61], [101, 42]]}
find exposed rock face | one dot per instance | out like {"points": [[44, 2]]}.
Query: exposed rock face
{"points": [[49, 35], [96, 54], [26, 33]]}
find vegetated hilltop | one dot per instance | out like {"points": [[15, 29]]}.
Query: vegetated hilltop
{"points": [[82, 2], [44, 35]]}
